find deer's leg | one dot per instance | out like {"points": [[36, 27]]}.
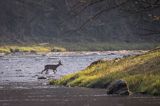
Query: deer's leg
{"points": [[46, 72], [54, 71], [43, 71]]}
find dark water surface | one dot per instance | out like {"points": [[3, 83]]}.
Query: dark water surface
{"points": [[20, 86], [60, 96]]}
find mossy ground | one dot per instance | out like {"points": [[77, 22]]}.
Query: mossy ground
{"points": [[142, 73]]}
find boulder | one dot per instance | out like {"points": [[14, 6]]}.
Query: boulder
{"points": [[118, 87], [18, 70], [112, 54], [42, 77]]}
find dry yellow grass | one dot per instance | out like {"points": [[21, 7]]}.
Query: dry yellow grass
{"points": [[141, 72]]}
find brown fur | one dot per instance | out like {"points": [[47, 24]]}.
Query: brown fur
{"points": [[52, 67]]}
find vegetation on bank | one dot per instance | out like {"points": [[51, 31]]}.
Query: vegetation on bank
{"points": [[32, 49], [142, 73], [78, 46], [104, 46]]}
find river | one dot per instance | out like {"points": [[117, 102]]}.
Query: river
{"points": [[20, 86]]}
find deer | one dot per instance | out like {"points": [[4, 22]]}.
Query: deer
{"points": [[51, 67]]}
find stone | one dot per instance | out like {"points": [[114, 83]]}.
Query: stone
{"points": [[42, 77], [18, 70], [118, 87], [1, 72]]}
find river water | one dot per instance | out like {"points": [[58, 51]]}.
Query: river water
{"points": [[27, 67], [20, 86]]}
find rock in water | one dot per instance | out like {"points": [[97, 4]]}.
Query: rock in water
{"points": [[118, 87], [18, 70], [42, 77], [1, 72]]}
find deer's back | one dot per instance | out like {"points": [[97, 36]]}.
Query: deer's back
{"points": [[50, 66]]}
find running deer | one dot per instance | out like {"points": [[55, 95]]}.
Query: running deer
{"points": [[52, 67]]}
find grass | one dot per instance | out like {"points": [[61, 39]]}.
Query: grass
{"points": [[103, 46], [77, 46], [30, 48], [142, 73]]}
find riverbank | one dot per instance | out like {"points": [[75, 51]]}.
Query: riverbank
{"points": [[77, 46], [30, 48], [107, 46], [141, 72]]}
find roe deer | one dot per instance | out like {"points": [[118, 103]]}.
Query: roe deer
{"points": [[52, 67]]}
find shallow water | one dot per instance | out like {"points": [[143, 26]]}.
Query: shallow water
{"points": [[19, 84], [27, 67]]}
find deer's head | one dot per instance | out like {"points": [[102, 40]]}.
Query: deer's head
{"points": [[60, 63]]}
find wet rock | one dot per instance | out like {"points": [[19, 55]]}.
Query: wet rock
{"points": [[118, 87], [18, 70], [112, 54], [43, 55], [21, 76], [42, 77], [1, 72]]}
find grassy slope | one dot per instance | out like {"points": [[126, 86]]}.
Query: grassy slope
{"points": [[141, 72]]}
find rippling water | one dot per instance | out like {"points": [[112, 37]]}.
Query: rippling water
{"points": [[27, 67], [19, 84]]}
